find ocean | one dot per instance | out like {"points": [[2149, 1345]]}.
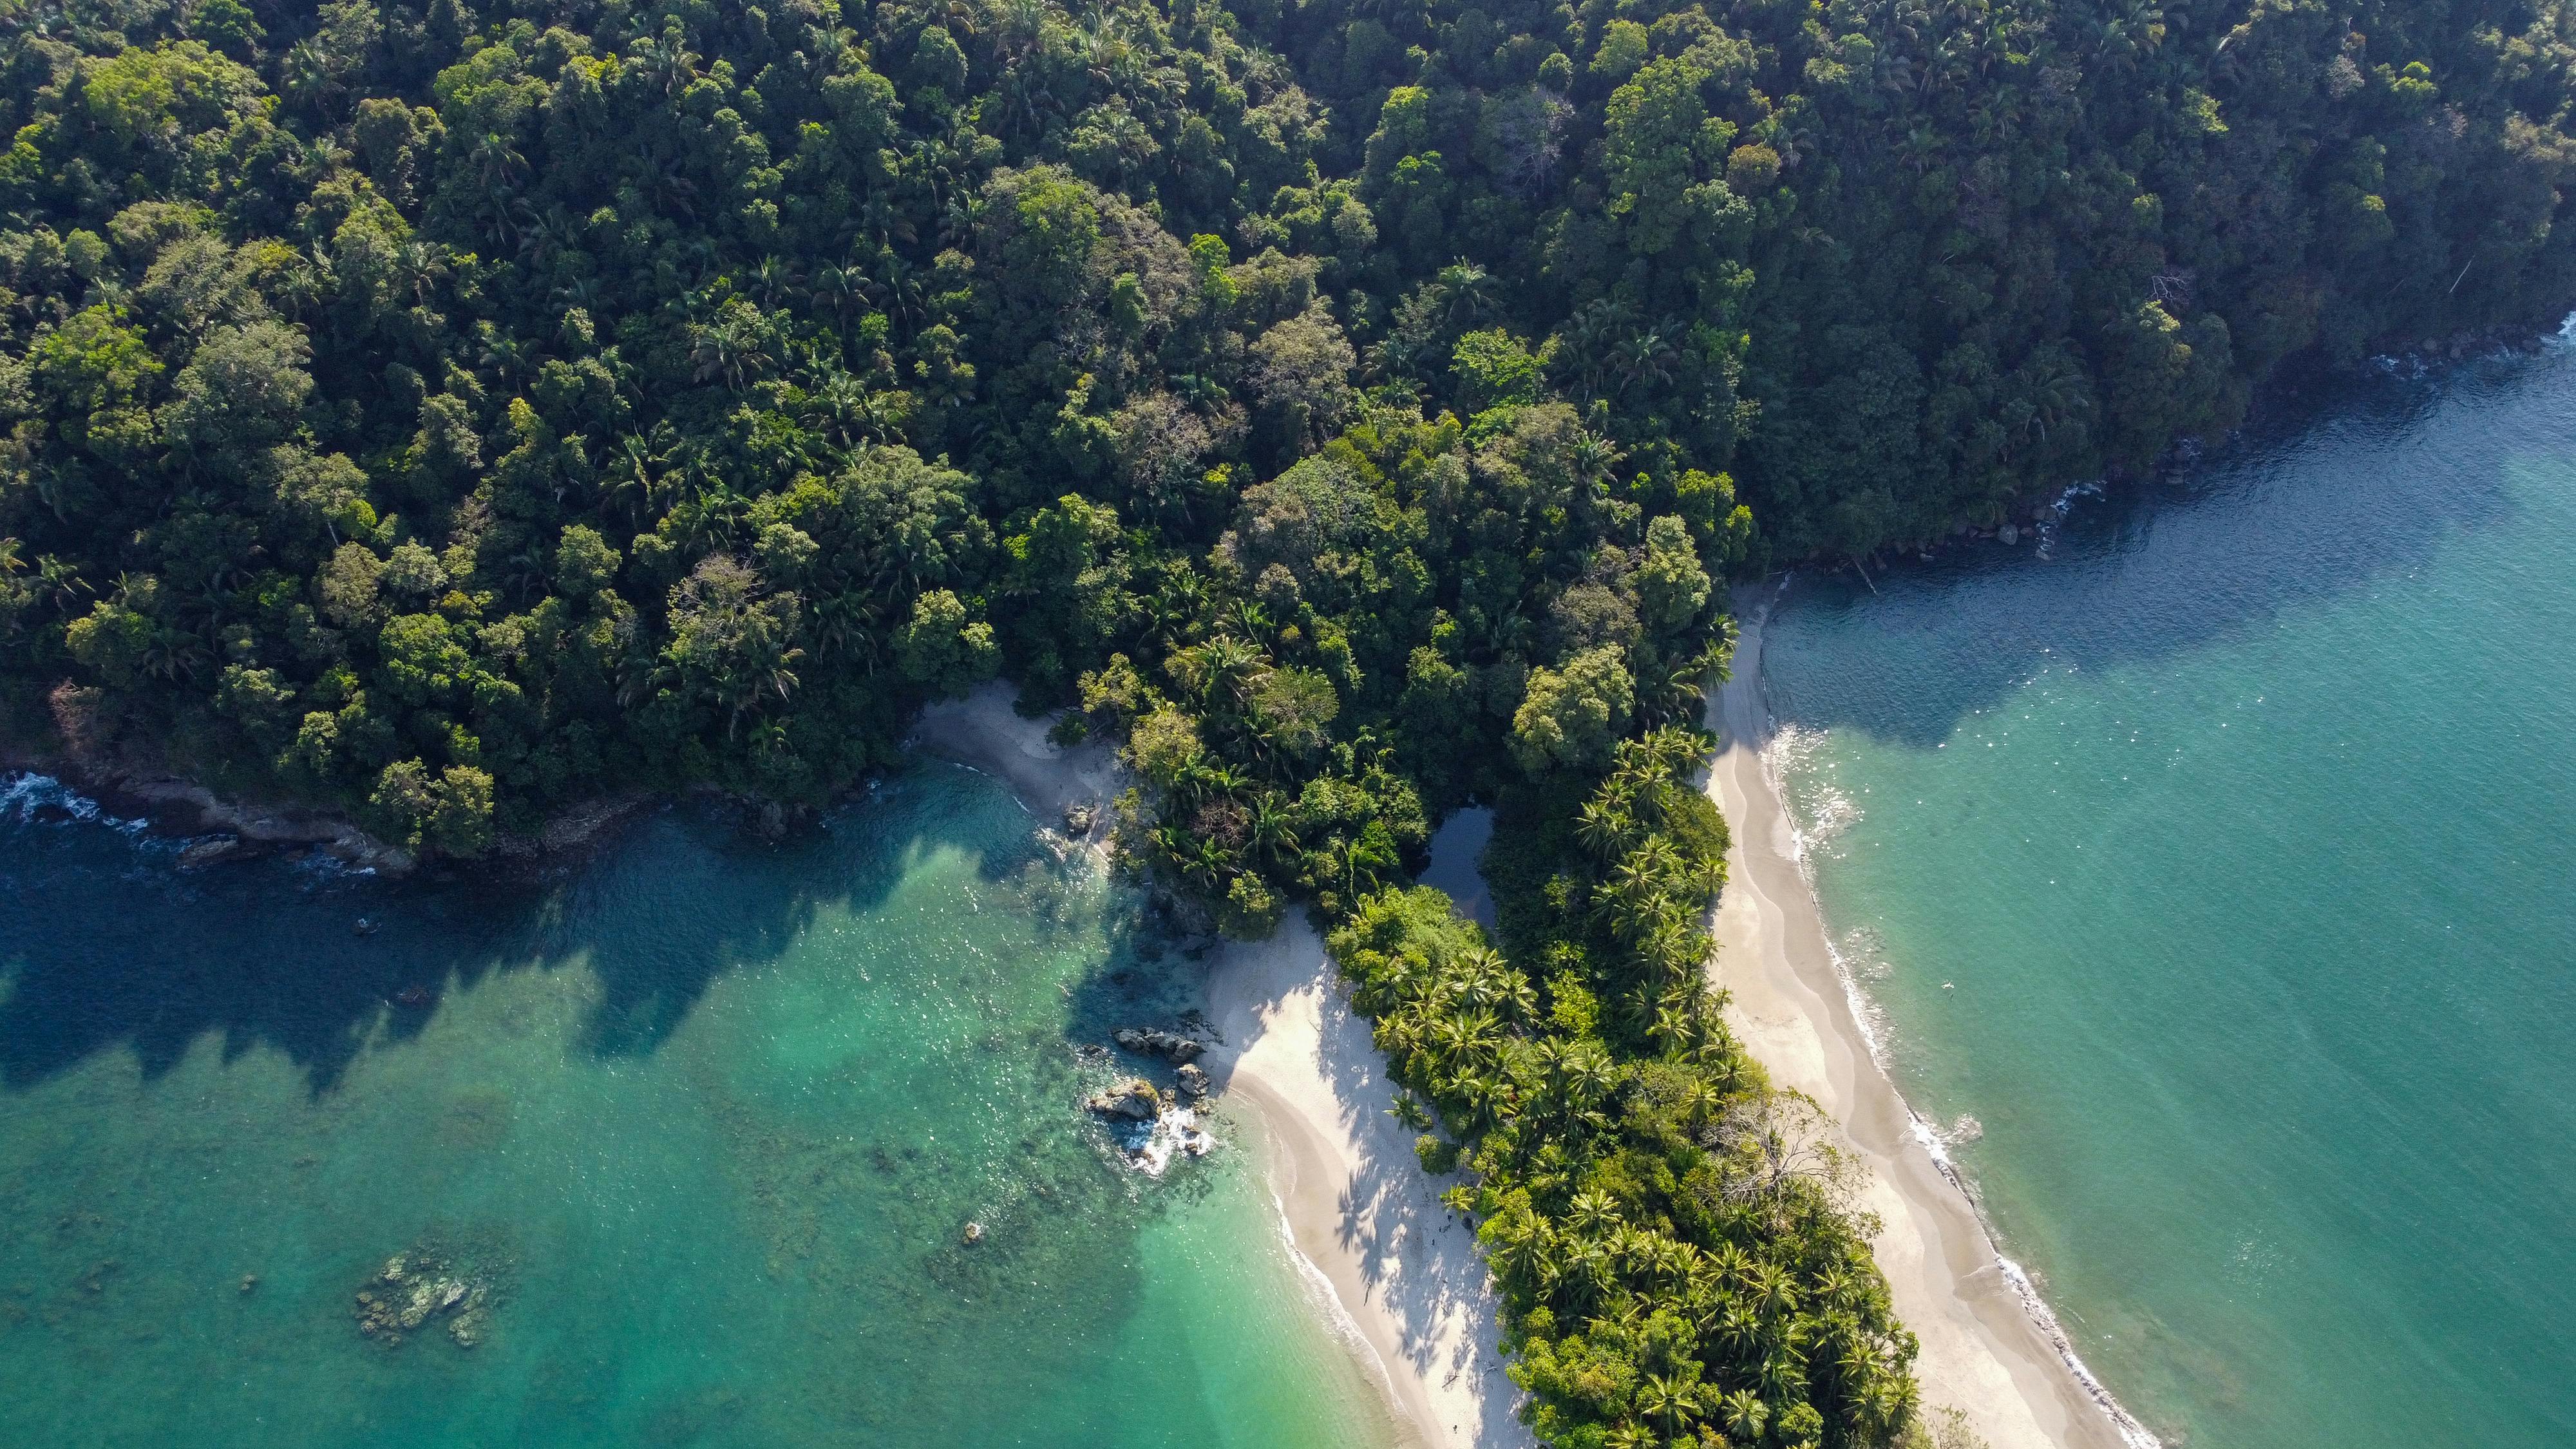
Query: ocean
{"points": [[2205, 870], [697, 1126]]}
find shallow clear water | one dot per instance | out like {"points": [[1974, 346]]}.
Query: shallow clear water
{"points": [[710, 1117], [2218, 866]]}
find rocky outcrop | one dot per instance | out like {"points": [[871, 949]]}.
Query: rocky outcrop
{"points": [[1169, 1045], [1193, 1079], [214, 850], [417, 1288], [193, 809], [1134, 1099]]}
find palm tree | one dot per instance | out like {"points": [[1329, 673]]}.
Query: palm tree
{"points": [[1647, 361], [1602, 825], [1743, 1413], [1782, 1374], [1593, 456], [1592, 1213], [1468, 293], [1671, 1402], [1739, 1328], [735, 347], [1273, 831], [843, 623]]}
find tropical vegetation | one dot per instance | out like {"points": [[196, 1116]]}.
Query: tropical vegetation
{"points": [[448, 412]]}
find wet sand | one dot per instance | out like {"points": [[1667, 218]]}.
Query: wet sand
{"points": [[1988, 1347]]}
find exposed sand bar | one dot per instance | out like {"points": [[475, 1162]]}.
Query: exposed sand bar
{"points": [[1988, 1348], [1408, 1285]]}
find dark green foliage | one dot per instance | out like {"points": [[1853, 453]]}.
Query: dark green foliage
{"points": [[448, 411], [1673, 1240], [578, 393]]}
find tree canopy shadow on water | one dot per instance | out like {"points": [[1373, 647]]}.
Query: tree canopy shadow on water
{"points": [[104, 943], [2356, 482]]}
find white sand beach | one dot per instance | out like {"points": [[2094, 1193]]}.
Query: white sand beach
{"points": [[1299, 1067], [1987, 1349], [1299, 1070], [984, 732], [1359, 1207]]}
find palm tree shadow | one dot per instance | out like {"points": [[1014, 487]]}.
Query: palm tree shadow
{"points": [[1415, 1254], [1414, 1257]]}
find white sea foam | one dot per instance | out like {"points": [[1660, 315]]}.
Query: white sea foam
{"points": [[25, 792], [1794, 748], [1821, 811], [321, 867], [1150, 1146], [1335, 1313]]}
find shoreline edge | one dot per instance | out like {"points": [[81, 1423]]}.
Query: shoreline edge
{"points": [[1990, 1346]]}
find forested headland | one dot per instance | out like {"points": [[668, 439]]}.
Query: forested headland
{"points": [[449, 413]]}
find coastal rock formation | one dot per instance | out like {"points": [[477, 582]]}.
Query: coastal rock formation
{"points": [[1146, 1041], [419, 1287], [1134, 1099], [1193, 1079], [212, 850], [186, 806]]}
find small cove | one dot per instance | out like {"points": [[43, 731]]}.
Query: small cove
{"points": [[712, 1115]]}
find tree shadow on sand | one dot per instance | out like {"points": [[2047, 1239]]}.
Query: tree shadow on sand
{"points": [[1411, 1251], [104, 943]]}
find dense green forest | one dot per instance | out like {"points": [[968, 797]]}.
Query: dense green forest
{"points": [[447, 413]]}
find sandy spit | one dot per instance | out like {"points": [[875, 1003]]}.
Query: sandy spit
{"points": [[1988, 1347], [1297, 1068]]}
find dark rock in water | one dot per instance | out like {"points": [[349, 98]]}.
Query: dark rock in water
{"points": [[1134, 1099], [418, 1287], [1146, 1041], [1193, 1079], [414, 997], [363, 927], [209, 851], [249, 1283], [974, 1232]]}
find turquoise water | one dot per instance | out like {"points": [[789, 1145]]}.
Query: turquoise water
{"points": [[2219, 867], [707, 1117]]}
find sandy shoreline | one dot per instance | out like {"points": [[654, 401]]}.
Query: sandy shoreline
{"points": [[1985, 1351], [1403, 1268], [1404, 1271], [983, 732], [1299, 1068]]}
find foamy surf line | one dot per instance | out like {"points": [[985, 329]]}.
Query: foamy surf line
{"points": [[1338, 1320], [1867, 1016], [27, 791]]}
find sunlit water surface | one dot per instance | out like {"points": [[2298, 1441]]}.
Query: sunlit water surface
{"points": [[709, 1116], [2219, 867]]}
